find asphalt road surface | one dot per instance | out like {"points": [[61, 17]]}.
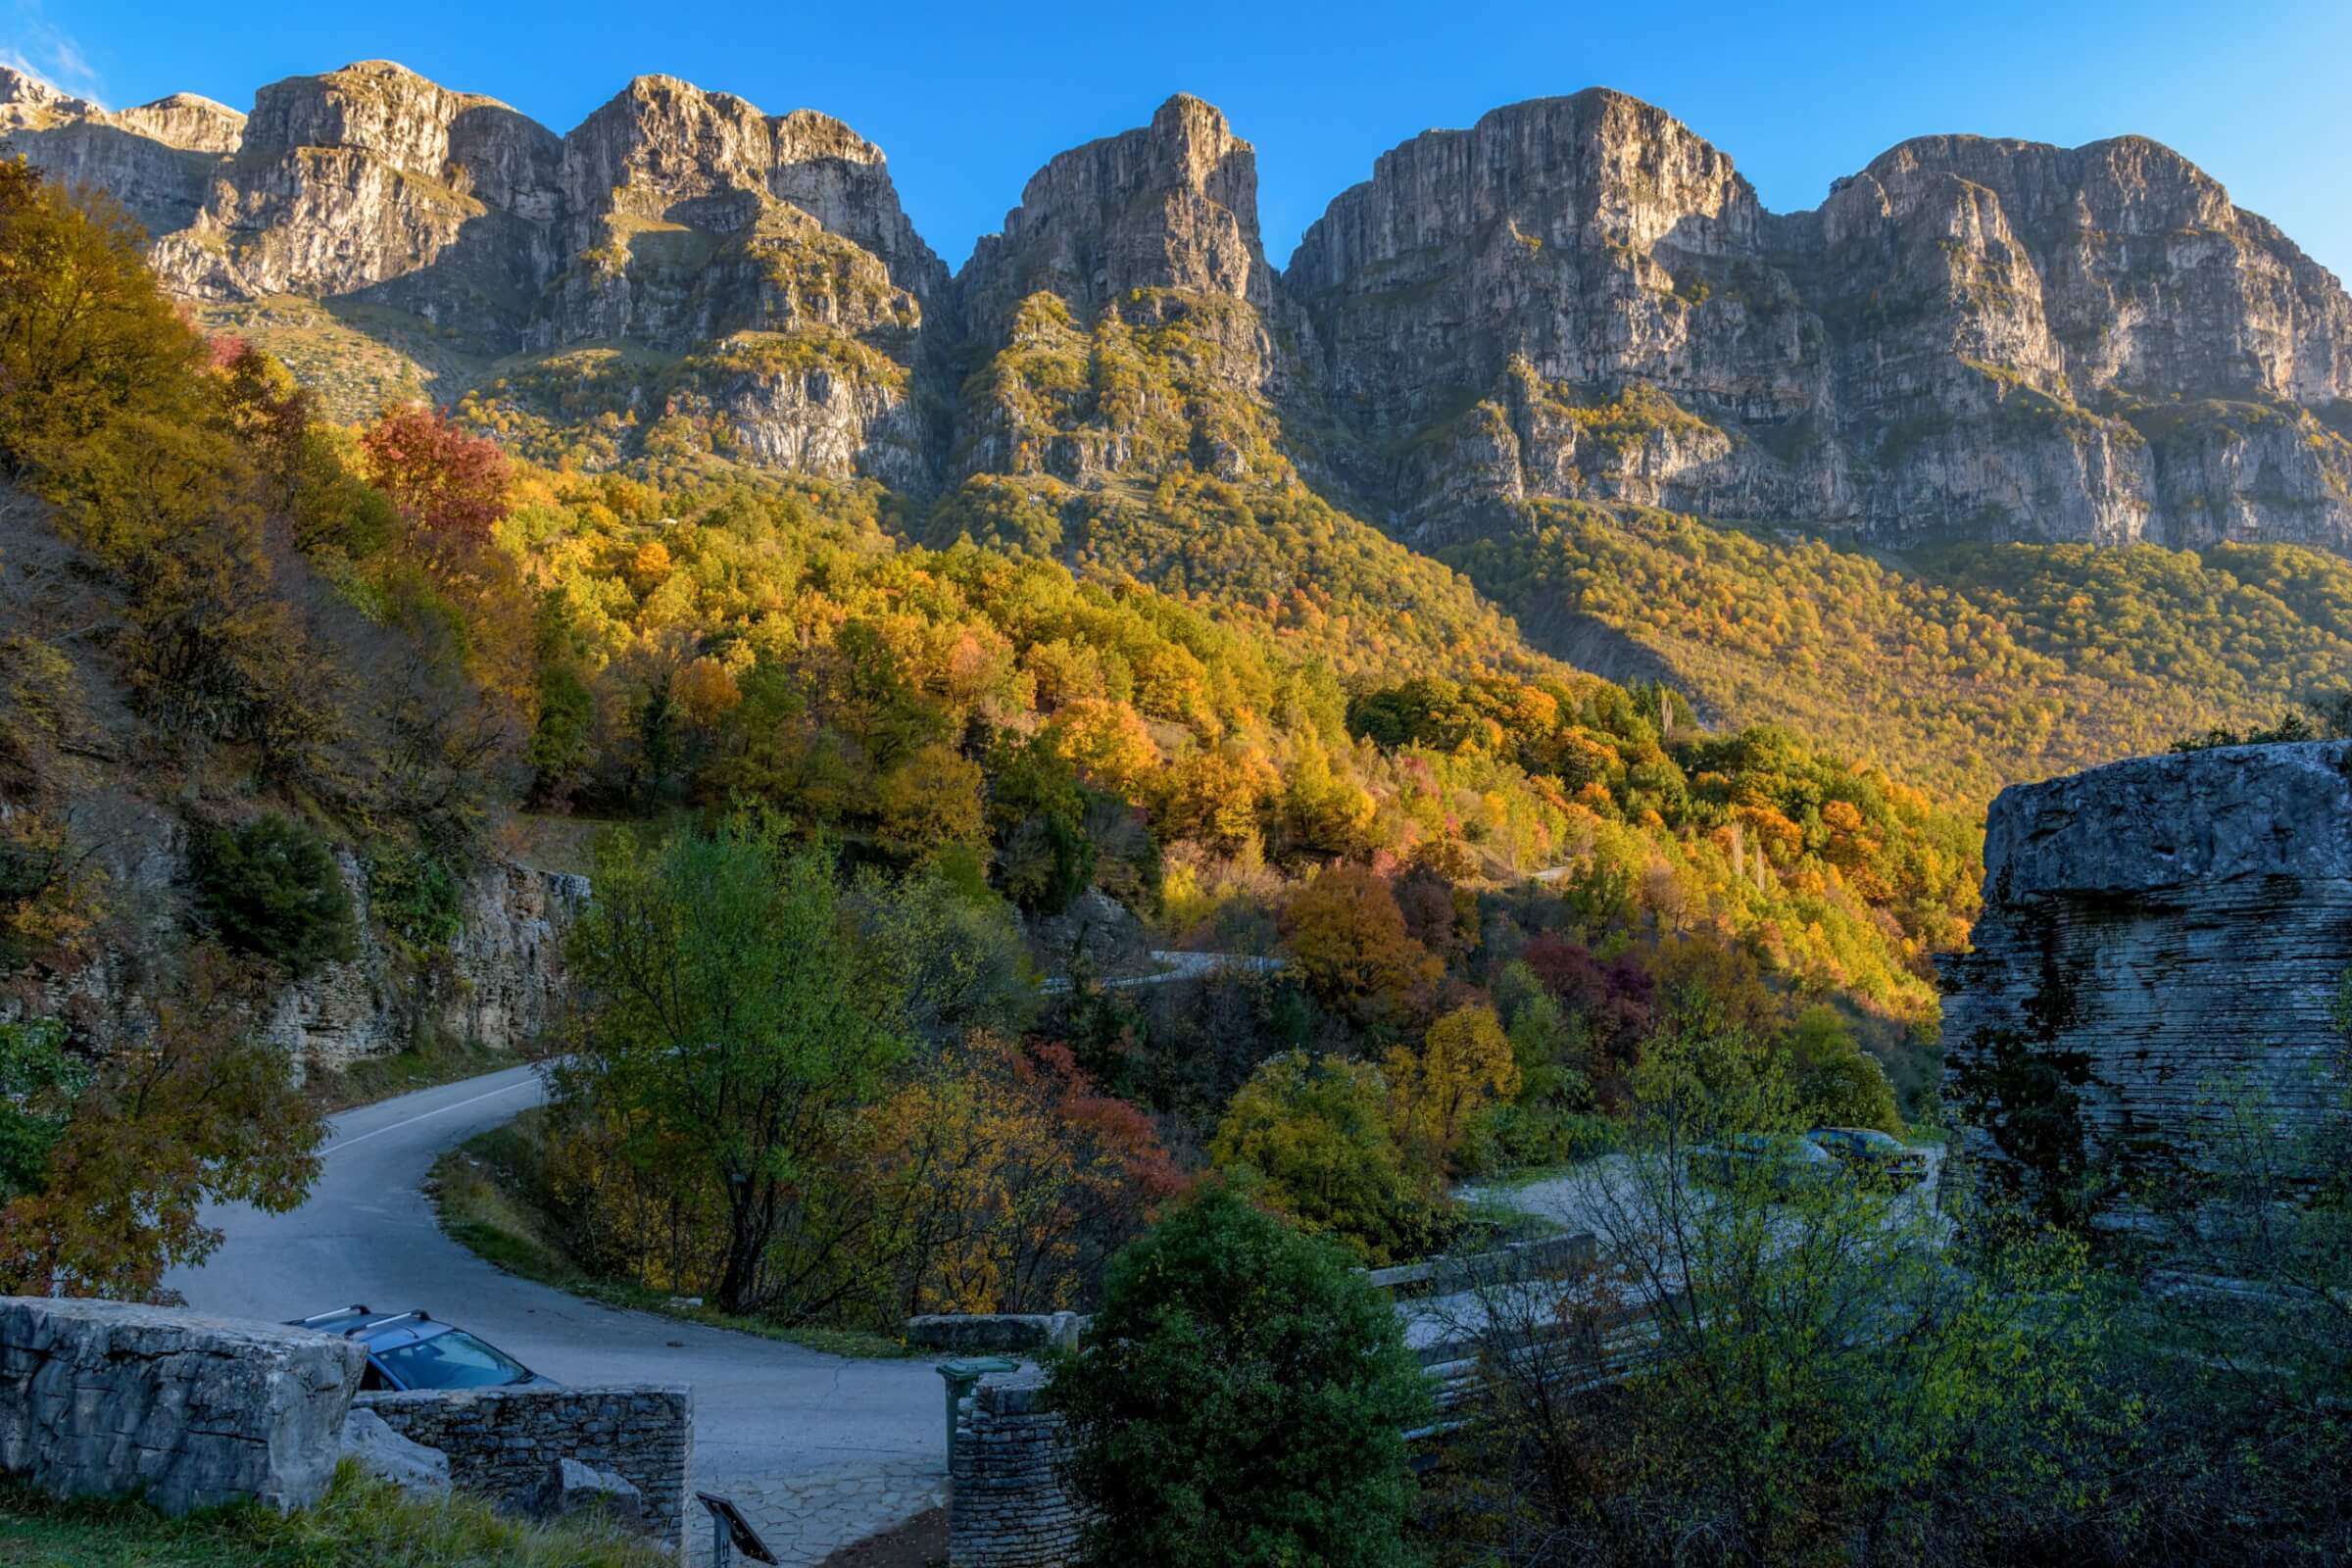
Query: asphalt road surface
{"points": [[819, 1451]]}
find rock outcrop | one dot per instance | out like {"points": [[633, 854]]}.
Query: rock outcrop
{"points": [[2160, 939], [1581, 299], [1172, 205], [106, 1399], [500, 982], [770, 251], [371, 1442], [1577, 299]]}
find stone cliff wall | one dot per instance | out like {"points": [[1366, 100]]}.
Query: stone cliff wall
{"points": [[105, 1399], [501, 982], [2159, 937], [501, 1442], [1576, 298]]}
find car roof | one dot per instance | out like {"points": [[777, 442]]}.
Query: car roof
{"points": [[378, 1331]]}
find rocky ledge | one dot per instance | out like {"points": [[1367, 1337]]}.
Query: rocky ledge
{"points": [[2163, 940]]}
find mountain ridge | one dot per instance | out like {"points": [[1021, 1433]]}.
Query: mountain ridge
{"points": [[1576, 299]]}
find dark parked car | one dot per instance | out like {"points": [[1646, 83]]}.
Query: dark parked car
{"points": [[416, 1351], [1779, 1162], [1874, 1158]]}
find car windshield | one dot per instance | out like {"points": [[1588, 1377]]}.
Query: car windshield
{"points": [[451, 1360]]}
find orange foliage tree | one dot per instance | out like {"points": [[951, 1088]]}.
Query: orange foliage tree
{"points": [[1012, 1179], [1347, 942]]}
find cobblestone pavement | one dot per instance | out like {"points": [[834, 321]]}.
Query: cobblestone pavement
{"points": [[807, 1516]]}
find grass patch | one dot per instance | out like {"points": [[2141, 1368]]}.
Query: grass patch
{"points": [[361, 1523], [426, 1065], [482, 1189]]}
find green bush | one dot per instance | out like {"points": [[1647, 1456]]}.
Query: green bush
{"points": [[416, 898], [1241, 1402], [271, 888]]}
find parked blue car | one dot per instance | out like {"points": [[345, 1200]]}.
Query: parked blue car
{"points": [[416, 1351], [1874, 1159]]}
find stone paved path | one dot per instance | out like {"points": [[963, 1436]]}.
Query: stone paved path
{"points": [[807, 1516]]}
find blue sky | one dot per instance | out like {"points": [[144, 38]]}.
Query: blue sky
{"points": [[968, 99]]}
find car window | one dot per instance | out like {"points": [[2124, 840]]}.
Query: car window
{"points": [[373, 1379], [451, 1360]]}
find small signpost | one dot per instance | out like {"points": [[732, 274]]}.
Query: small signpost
{"points": [[731, 1533]]}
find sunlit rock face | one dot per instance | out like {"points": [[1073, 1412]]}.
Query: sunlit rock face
{"points": [[1575, 299], [2162, 941], [1580, 298], [756, 270]]}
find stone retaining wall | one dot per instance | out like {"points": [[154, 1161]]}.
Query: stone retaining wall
{"points": [[501, 1442], [967, 1331], [1006, 1508], [102, 1398]]}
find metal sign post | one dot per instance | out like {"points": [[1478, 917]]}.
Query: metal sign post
{"points": [[731, 1533]]}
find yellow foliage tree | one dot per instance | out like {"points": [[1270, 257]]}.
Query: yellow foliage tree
{"points": [[1437, 1094], [931, 799], [1106, 743]]}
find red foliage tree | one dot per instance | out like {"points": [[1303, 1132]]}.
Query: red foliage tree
{"points": [[450, 486], [1616, 999]]}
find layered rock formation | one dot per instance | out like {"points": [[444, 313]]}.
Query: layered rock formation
{"points": [[1120, 323], [1576, 299], [763, 260], [110, 1400], [1579, 298], [2163, 940]]}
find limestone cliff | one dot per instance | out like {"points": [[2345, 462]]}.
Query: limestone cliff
{"points": [[1121, 322], [1576, 298], [759, 266], [1579, 298], [2160, 939], [499, 982]]}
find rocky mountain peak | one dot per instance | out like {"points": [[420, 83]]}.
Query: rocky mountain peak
{"points": [[27, 100], [188, 121], [1574, 298], [1594, 168], [1172, 205]]}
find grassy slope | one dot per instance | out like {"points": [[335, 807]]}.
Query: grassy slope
{"points": [[360, 1524], [482, 1191]]}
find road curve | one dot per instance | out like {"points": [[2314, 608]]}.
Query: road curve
{"points": [[819, 1448]]}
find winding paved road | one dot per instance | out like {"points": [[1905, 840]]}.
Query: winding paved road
{"points": [[818, 1450]]}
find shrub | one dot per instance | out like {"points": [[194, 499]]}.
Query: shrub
{"points": [[1311, 1139], [416, 898], [1241, 1402], [271, 888]]}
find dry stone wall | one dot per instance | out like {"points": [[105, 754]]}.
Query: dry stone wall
{"points": [[2159, 937], [504, 1443], [1006, 1508], [108, 1399]]}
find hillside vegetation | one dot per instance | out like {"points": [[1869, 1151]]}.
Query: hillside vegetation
{"points": [[1961, 667]]}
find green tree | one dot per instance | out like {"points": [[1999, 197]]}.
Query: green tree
{"points": [[1311, 1137], [1838, 1082], [1241, 1400], [1771, 1371], [734, 1029], [38, 1085], [271, 888]]}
